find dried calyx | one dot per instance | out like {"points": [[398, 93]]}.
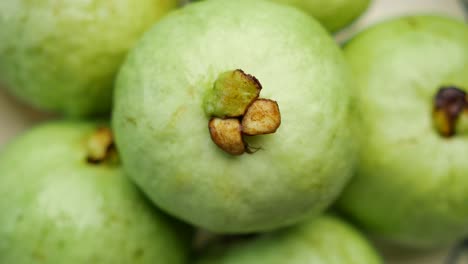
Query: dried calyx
{"points": [[450, 114], [101, 148], [262, 117], [227, 134], [235, 110]]}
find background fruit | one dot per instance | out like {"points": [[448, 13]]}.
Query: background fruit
{"points": [[411, 185], [162, 130], [325, 240], [58, 208], [333, 14], [63, 55]]}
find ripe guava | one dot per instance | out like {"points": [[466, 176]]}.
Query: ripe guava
{"points": [[278, 72], [63, 56], [411, 185], [324, 240], [66, 200]]}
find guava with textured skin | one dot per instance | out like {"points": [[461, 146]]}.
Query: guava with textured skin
{"points": [[411, 186], [324, 240], [57, 207], [63, 56], [161, 124]]}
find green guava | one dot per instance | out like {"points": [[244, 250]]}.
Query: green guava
{"points": [[411, 185], [333, 14], [63, 56], [62, 202], [324, 240], [161, 116]]}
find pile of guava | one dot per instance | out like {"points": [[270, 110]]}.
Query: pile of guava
{"points": [[231, 132]]}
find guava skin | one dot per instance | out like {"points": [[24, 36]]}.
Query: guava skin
{"points": [[57, 208], [411, 184], [333, 14], [325, 240], [62, 56], [162, 131]]}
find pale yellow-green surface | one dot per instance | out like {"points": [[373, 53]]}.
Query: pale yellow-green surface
{"points": [[161, 128], [58, 208], [62, 56], [322, 240], [410, 185], [15, 117]]}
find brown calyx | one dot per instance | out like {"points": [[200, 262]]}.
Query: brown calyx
{"points": [[100, 147], [236, 110], [262, 117], [227, 134], [449, 104]]}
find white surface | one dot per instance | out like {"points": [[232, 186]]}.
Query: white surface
{"points": [[15, 117]]}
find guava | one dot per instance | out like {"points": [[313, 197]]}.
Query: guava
{"points": [[276, 72], [411, 184], [66, 200], [324, 240], [333, 14], [62, 56]]}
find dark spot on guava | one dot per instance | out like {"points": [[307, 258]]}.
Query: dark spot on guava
{"points": [[39, 256], [138, 253], [412, 22], [131, 120], [111, 219], [61, 244]]}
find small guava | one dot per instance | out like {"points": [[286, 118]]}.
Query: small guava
{"points": [[66, 200], [411, 184], [63, 56], [324, 240], [236, 120]]}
